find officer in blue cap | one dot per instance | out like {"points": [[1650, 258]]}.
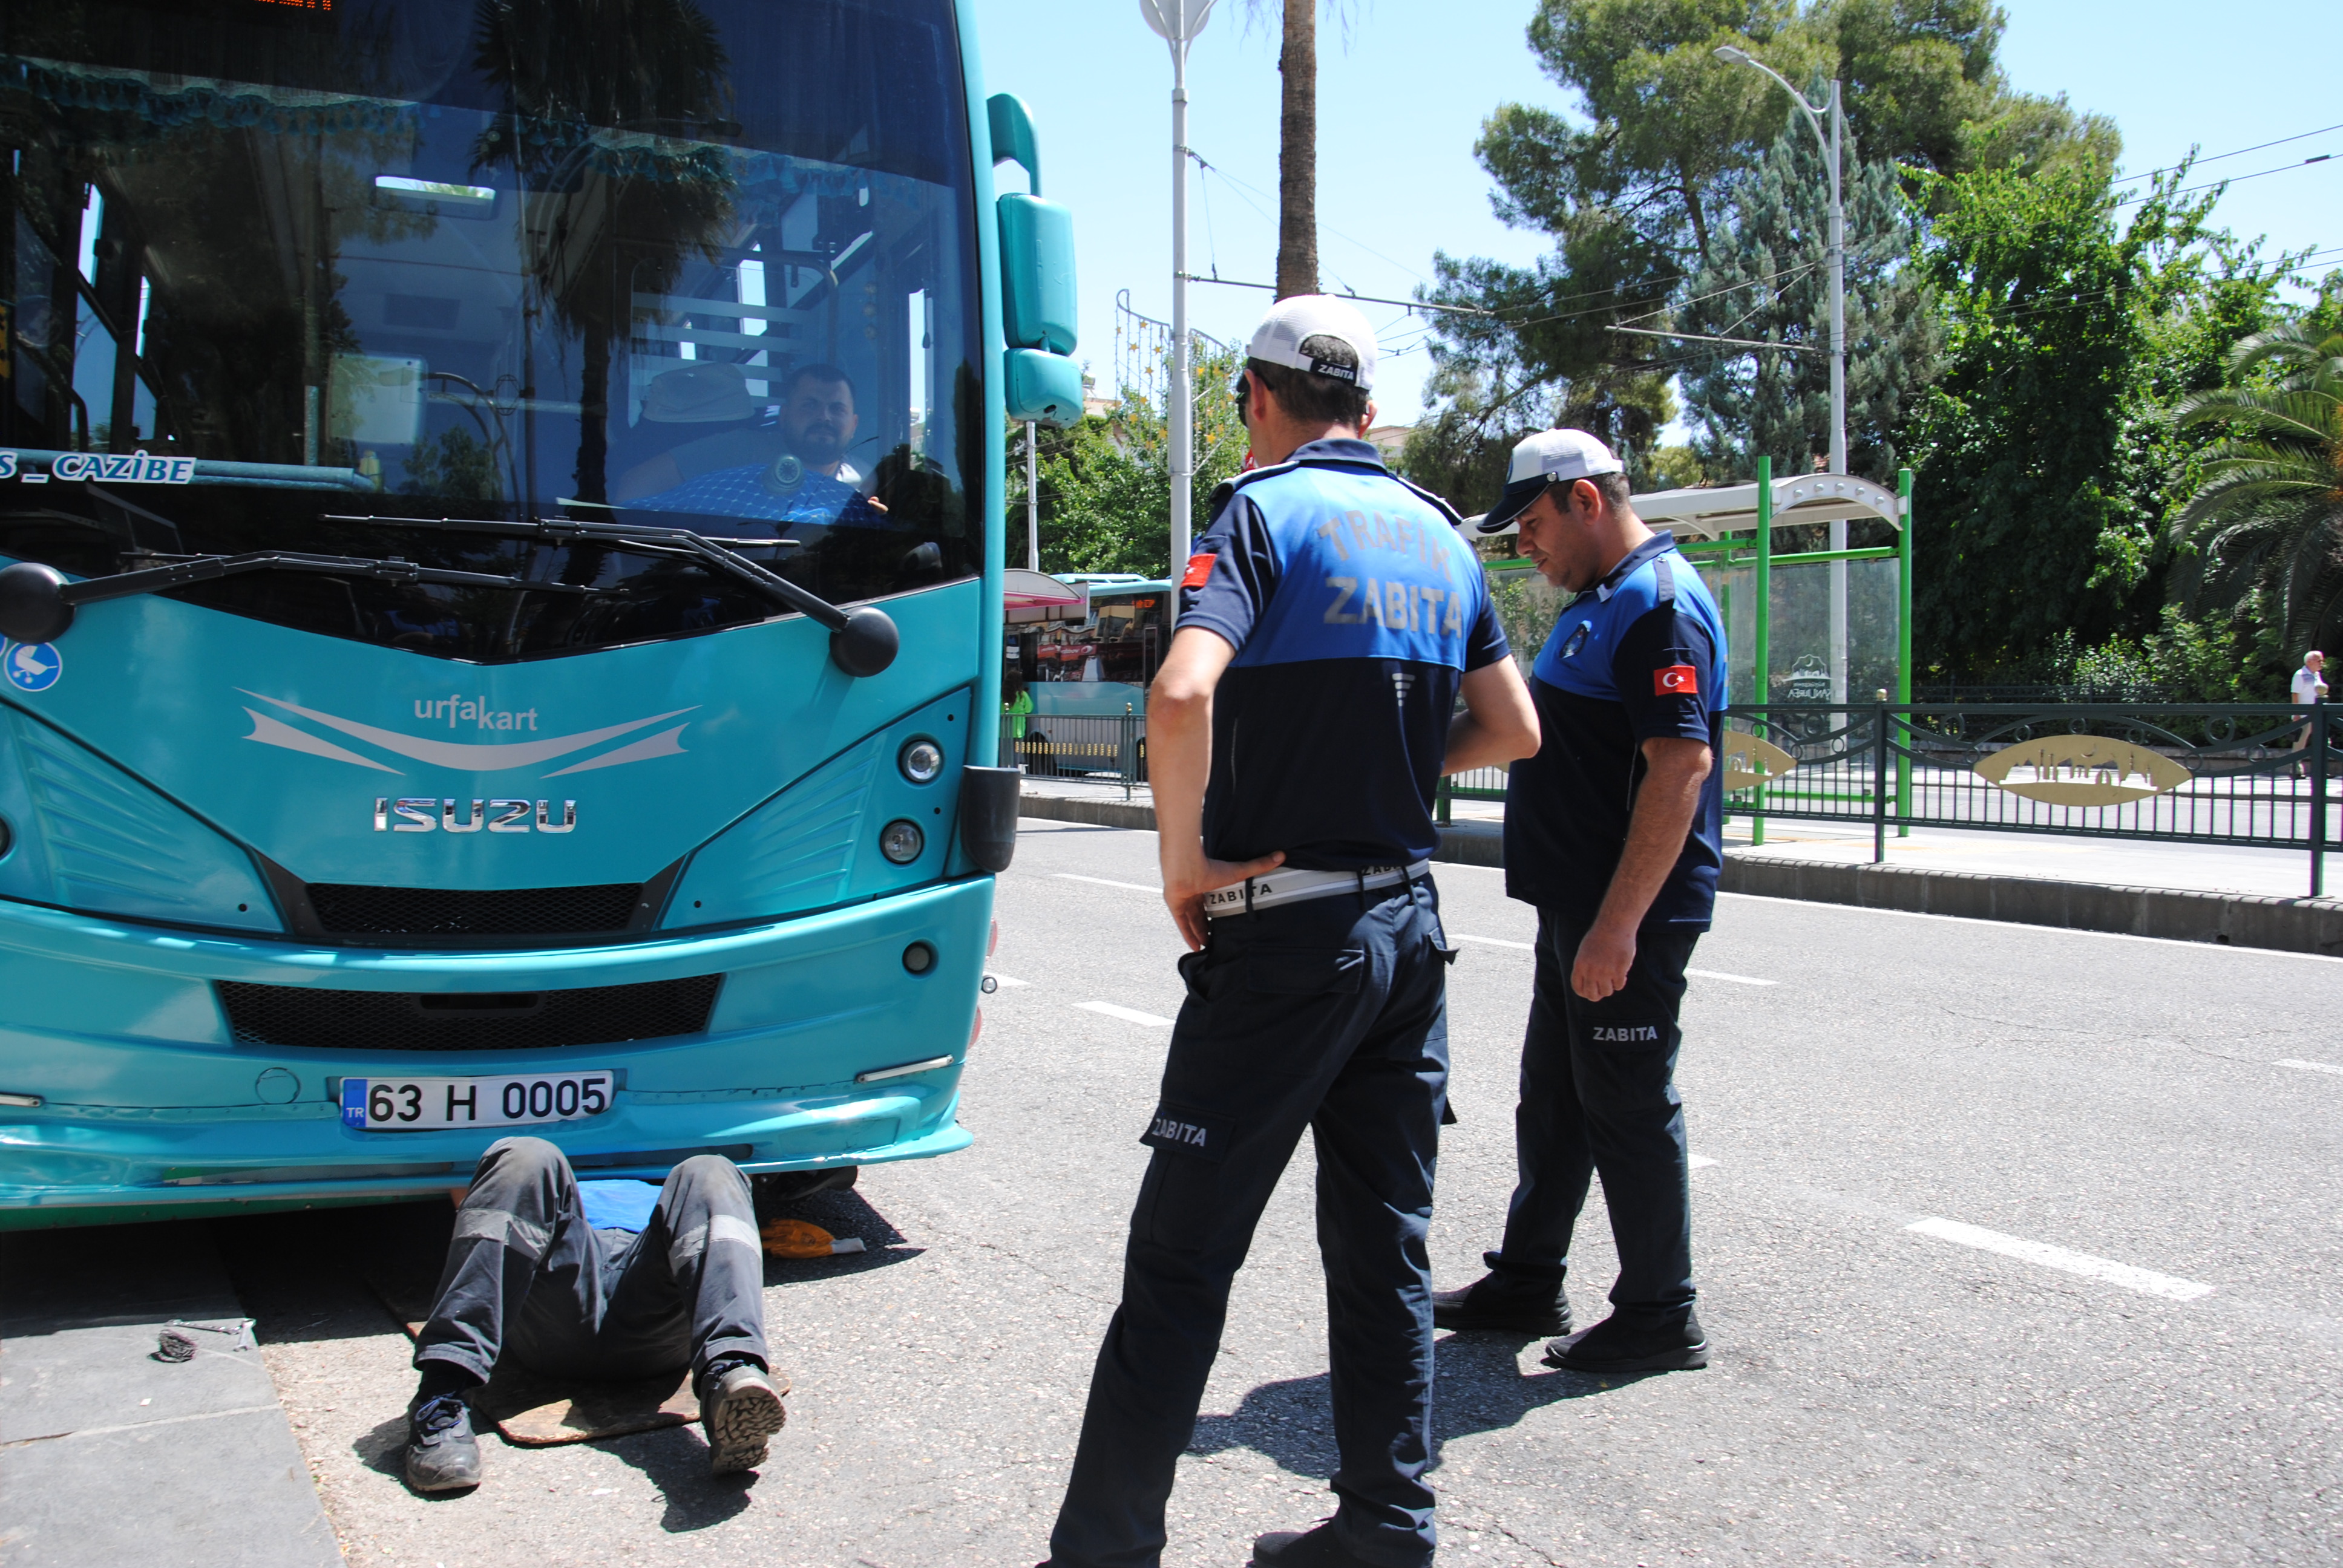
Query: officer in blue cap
{"points": [[1614, 832], [1329, 620]]}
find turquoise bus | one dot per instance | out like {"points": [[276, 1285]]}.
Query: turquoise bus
{"points": [[501, 581]]}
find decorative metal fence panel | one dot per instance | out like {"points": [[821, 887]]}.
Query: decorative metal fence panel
{"points": [[2242, 774], [1105, 749]]}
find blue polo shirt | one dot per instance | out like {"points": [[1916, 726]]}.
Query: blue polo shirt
{"points": [[1355, 610], [1639, 656], [740, 492]]}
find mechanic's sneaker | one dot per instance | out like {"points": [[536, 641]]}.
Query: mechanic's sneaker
{"points": [[1504, 1300], [1315, 1548], [740, 1408], [1634, 1344], [442, 1454]]}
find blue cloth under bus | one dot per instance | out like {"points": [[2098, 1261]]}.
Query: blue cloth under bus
{"points": [[618, 1205], [1355, 611]]}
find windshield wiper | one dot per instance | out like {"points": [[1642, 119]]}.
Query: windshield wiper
{"points": [[37, 602], [862, 641]]}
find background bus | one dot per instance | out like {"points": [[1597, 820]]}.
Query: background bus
{"points": [[467, 474], [1087, 667]]}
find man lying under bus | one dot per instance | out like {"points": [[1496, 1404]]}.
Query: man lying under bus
{"points": [[585, 1283]]}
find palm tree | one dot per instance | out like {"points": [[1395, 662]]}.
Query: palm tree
{"points": [[2269, 513], [571, 72], [1297, 152], [1297, 146]]}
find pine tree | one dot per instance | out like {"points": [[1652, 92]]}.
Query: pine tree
{"points": [[1770, 280]]}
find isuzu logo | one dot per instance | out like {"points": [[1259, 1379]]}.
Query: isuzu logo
{"points": [[437, 814]]}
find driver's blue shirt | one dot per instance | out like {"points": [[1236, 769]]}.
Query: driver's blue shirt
{"points": [[1639, 656], [742, 492], [1355, 611]]}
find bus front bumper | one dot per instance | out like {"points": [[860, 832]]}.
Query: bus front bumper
{"points": [[150, 1109]]}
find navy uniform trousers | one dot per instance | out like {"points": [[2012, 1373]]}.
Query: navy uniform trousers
{"points": [[1329, 1014], [526, 1273], [1598, 1093]]}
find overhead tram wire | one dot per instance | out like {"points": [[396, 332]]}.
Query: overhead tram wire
{"points": [[2231, 180], [2217, 157], [1329, 228]]}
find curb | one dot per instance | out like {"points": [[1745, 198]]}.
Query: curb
{"points": [[2232, 919], [2236, 920]]}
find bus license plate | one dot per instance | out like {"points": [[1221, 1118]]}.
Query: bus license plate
{"points": [[429, 1104]]}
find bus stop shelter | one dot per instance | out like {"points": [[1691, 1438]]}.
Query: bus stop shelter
{"points": [[1729, 529]]}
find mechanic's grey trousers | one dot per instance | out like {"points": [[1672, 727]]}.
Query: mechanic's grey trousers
{"points": [[526, 1273]]}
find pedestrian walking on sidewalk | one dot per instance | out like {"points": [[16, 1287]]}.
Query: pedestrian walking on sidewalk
{"points": [[1329, 619], [1614, 832], [2309, 691]]}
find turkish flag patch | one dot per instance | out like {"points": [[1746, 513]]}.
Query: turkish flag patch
{"points": [[1675, 680], [1200, 568]]}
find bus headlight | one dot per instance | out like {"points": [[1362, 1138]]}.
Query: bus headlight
{"points": [[902, 840], [920, 760]]}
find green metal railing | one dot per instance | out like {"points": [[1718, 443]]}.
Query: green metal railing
{"points": [[1108, 749], [2250, 775]]}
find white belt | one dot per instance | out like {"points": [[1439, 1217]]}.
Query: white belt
{"points": [[1293, 887]]}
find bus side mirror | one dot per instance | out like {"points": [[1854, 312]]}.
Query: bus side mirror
{"points": [[1044, 388], [1039, 311]]}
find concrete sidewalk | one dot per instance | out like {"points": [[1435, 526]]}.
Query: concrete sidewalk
{"points": [[110, 1456], [2186, 892]]}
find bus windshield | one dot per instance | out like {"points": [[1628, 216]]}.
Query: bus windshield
{"points": [[699, 264]]}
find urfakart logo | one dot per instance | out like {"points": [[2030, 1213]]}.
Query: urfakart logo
{"points": [[464, 714], [432, 813]]}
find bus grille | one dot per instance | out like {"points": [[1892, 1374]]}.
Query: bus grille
{"points": [[315, 1018], [346, 910]]}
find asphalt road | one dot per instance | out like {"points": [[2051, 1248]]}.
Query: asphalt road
{"points": [[2114, 1336]]}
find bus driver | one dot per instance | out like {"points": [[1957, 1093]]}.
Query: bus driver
{"points": [[797, 472]]}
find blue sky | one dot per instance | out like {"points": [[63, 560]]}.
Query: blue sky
{"points": [[1400, 105]]}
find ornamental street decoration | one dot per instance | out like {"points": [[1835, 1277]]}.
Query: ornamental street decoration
{"points": [[1749, 761], [2081, 770]]}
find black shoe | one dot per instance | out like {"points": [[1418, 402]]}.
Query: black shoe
{"points": [[1624, 1343], [1315, 1548], [740, 1408], [442, 1454], [1501, 1299]]}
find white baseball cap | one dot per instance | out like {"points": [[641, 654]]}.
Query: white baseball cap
{"points": [[1295, 319], [1550, 457]]}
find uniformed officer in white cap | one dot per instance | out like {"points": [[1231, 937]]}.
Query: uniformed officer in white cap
{"points": [[1330, 619], [1614, 832]]}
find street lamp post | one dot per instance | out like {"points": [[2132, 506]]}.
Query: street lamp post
{"points": [[1832, 141], [1033, 504], [1177, 22]]}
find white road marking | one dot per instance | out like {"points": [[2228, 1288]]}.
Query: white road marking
{"points": [[1105, 882], [1005, 981], [1736, 979], [2312, 1066], [1493, 942], [1127, 1014], [1700, 1159], [2147, 1282]]}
